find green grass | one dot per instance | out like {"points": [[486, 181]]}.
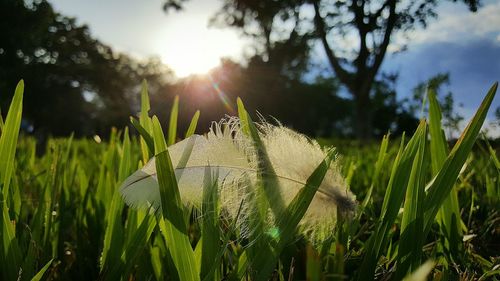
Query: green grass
{"points": [[63, 217]]}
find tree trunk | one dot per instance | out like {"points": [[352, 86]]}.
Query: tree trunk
{"points": [[363, 114]]}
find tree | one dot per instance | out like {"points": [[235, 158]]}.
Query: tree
{"points": [[74, 83], [355, 35]]}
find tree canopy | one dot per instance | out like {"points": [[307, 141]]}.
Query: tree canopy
{"points": [[355, 36], [74, 82]]}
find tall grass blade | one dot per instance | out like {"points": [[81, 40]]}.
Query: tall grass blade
{"points": [[268, 180], [410, 243], [145, 121], [192, 126], [449, 213], [394, 196], [210, 229], [113, 238], [125, 167], [42, 271], [172, 125], [8, 140], [146, 137], [378, 168], [171, 221], [447, 175], [10, 255], [265, 196], [243, 115]]}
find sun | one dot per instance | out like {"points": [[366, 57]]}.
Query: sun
{"points": [[191, 48]]}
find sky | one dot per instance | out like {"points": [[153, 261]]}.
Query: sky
{"points": [[465, 44], [143, 29]]}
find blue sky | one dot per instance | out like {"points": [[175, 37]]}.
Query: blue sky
{"points": [[465, 44]]}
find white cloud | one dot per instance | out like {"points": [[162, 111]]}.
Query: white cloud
{"points": [[457, 24]]}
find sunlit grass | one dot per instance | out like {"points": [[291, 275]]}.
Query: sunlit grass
{"points": [[64, 219]]}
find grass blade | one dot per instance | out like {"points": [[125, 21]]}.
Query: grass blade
{"points": [[42, 271], [394, 196], [192, 126], [410, 243], [266, 259], [210, 229], [146, 137], [132, 250], [264, 253], [113, 238], [172, 125], [171, 221], [267, 176], [10, 255], [145, 121], [378, 168], [244, 117], [449, 213], [447, 176], [8, 139], [421, 273]]}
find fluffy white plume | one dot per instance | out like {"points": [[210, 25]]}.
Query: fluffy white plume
{"points": [[231, 155]]}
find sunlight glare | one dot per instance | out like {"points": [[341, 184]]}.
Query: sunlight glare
{"points": [[189, 47]]}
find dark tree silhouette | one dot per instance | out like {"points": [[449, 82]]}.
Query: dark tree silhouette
{"points": [[74, 83], [355, 35]]}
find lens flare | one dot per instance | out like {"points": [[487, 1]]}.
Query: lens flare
{"points": [[220, 93]]}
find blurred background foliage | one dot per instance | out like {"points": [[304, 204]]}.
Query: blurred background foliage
{"points": [[75, 83]]}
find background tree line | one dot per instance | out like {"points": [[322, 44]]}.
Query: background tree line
{"points": [[75, 83]]}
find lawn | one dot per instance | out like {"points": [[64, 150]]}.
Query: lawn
{"points": [[424, 208]]}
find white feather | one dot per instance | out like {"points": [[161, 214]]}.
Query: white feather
{"points": [[231, 155]]}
